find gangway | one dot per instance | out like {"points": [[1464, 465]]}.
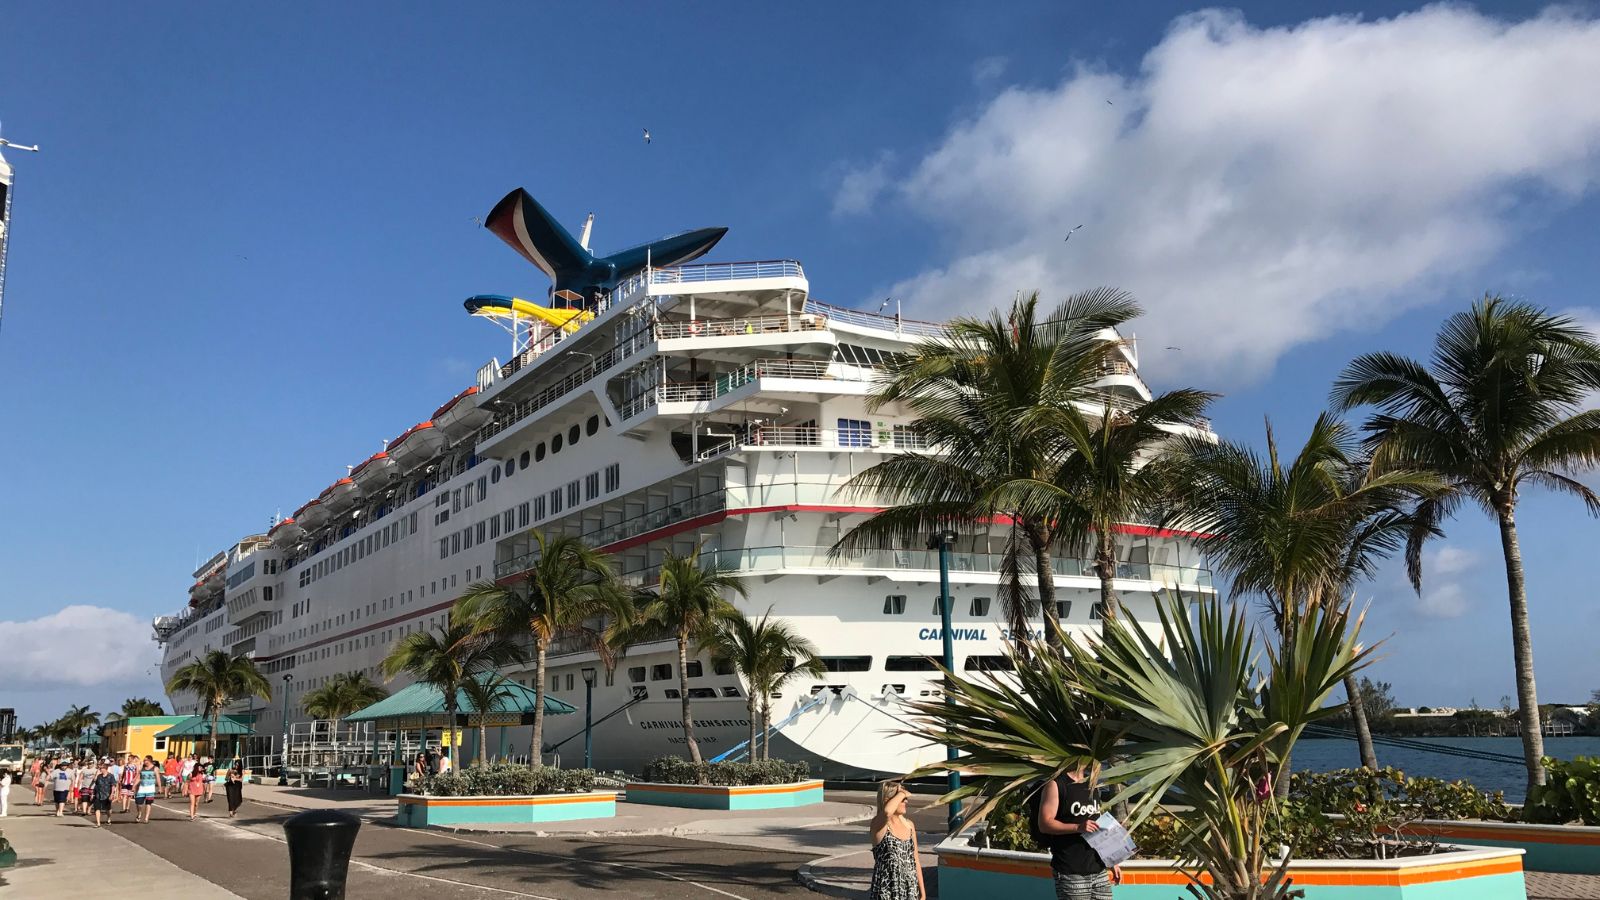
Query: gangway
{"points": [[742, 749]]}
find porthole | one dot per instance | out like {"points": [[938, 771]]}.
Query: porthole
{"points": [[593, 425], [494, 475], [555, 444], [572, 435], [538, 452], [524, 459]]}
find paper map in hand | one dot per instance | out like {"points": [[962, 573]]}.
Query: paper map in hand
{"points": [[1112, 842]]}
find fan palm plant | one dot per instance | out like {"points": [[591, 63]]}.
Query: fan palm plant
{"points": [[689, 603], [75, 722], [140, 706], [762, 652], [989, 397], [1297, 534], [345, 693], [1500, 409], [483, 694], [1200, 712], [448, 656], [218, 679], [569, 583]]}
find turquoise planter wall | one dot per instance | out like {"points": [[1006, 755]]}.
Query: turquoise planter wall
{"points": [[420, 812], [761, 796], [1550, 848]]}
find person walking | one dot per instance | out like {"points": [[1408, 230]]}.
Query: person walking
{"points": [[896, 871], [102, 790], [169, 776], [210, 765], [1068, 808], [5, 792], [444, 762], [235, 787], [129, 781], [35, 780], [83, 785], [61, 786], [195, 787], [144, 795]]}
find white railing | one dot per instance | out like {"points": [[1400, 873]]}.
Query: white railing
{"points": [[704, 391], [729, 271], [875, 320], [746, 326]]}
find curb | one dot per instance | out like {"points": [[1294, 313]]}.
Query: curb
{"points": [[642, 832]]}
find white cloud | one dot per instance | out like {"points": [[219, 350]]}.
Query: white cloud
{"points": [[1447, 601], [1447, 561], [78, 646], [1443, 594], [861, 186], [1260, 188], [988, 69]]}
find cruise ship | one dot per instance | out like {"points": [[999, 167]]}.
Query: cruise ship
{"points": [[651, 404]]}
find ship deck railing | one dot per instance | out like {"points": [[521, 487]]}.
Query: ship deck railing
{"points": [[861, 317], [747, 325], [715, 387]]}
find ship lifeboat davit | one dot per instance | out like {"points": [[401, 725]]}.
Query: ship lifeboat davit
{"points": [[286, 534], [372, 475], [417, 446], [340, 496], [462, 415], [312, 516]]}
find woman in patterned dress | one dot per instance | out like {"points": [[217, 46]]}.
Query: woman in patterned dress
{"points": [[896, 873]]}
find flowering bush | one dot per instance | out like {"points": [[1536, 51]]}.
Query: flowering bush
{"points": [[507, 779], [677, 770], [1390, 794]]}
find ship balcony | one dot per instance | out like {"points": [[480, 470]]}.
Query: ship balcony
{"points": [[923, 565], [800, 380]]}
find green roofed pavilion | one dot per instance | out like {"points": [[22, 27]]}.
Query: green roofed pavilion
{"points": [[200, 726], [423, 705]]}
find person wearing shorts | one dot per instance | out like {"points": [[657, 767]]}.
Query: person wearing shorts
{"points": [[61, 785], [144, 794], [102, 790], [129, 781], [169, 776]]}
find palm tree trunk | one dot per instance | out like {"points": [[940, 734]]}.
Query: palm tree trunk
{"points": [[754, 729], [1105, 564], [216, 713], [683, 695], [1522, 648], [766, 727], [450, 711], [1047, 585], [537, 750], [483, 735], [1358, 714]]}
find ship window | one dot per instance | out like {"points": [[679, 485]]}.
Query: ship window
{"points": [[593, 425], [938, 606], [591, 485], [572, 435], [692, 668], [636, 674], [1097, 611], [455, 542], [721, 667], [466, 538], [483, 529], [555, 444], [569, 681], [894, 605], [494, 474], [1063, 609], [855, 433], [702, 693], [538, 451], [523, 459], [555, 501], [989, 664], [660, 672], [846, 663], [671, 693], [494, 527], [444, 547], [910, 664], [573, 489], [483, 486], [613, 477]]}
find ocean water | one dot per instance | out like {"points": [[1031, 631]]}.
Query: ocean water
{"points": [[1324, 754]]}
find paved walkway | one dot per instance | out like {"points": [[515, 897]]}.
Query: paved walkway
{"points": [[69, 857]]}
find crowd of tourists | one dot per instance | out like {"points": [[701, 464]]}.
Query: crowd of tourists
{"points": [[128, 784]]}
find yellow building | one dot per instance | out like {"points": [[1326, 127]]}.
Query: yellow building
{"points": [[138, 736]]}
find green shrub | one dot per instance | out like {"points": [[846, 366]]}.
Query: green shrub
{"points": [[1571, 793], [1008, 828], [1389, 792], [676, 770], [507, 779]]}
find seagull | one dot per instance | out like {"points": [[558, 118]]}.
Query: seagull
{"points": [[1179, 349], [647, 135], [1069, 234], [1109, 103]]}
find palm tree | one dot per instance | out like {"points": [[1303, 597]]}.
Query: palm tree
{"points": [[449, 656], [569, 583], [1300, 534], [761, 652], [1200, 712], [688, 604], [483, 694], [990, 397], [74, 723], [1497, 411], [344, 694], [218, 679], [140, 706]]}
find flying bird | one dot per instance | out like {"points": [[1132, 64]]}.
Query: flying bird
{"points": [[647, 135], [1109, 103], [1069, 234], [1179, 349]]}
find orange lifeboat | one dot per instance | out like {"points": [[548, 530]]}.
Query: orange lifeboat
{"points": [[372, 475], [422, 443], [312, 516], [286, 534], [340, 496], [462, 415]]}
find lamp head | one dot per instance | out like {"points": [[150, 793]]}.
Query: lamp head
{"points": [[589, 676]]}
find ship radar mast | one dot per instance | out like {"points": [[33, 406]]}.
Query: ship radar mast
{"points": [[5, 212]]}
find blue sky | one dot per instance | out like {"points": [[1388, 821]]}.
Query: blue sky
{"points": [[238, 264]]}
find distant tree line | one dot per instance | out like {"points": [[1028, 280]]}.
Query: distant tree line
{"points": [[1377, 697]]}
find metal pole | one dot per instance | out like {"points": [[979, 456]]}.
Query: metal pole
{"points": [[942, 541], [588, 720], [283, 762]]}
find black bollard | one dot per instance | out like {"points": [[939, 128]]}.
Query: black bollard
{"points": [[320, 842]]}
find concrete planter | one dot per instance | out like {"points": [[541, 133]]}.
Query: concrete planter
{"points": [[1549, 848], [709, 796], [419, 811], [1465, 873]]}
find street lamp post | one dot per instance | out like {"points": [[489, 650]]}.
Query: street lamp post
{"points": [[942, 541], [283, 760], [588, 721]]}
